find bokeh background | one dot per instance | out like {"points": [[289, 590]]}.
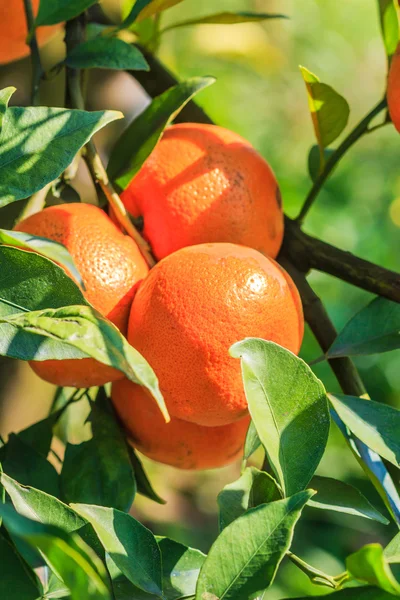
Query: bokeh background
{"points": [[260, 94]]}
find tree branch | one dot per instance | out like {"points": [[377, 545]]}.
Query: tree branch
{"points": [[37, 70], [307, 252]]}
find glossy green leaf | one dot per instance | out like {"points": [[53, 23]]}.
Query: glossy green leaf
{"points": [[85, 330], [376, 328], [66, 554], [253, 488], [130, 545], [375, 424], [358, 593], [53, 250], [5, 95], [181, 567], [56, 11], [389, 25], [140, 138], [27, 465], [142, 9], [370, 566], [342, 497], [252, 442], [106, 53], [226, 18], [122, 588], [99, 471], [245, 557], [392, 550], [17, 579], [40, 434], [38, 143], [314, 161], [289, 408], [329, 111], [143, 483], [56, 588]]}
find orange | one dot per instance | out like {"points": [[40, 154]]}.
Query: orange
{"points": [[192, 307], [393, 90], [13, 30], [203, 183], [178, 443], [111, 267]]}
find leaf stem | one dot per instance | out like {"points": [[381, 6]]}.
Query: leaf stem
{"points": [[315, 575], [37, 70], [74, 35], [333, 160]]}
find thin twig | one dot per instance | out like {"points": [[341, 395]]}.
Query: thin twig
{"points": [[74, 35], [307, 252], [37, 69], [333, 160], [315, 575]]}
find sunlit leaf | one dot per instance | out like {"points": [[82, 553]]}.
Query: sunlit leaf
{"points": [[252, 442], [56, 11], [5, 95], [142, 9], [106, 53], [38, 143], [181, 567], [140, 138], [392, 550], [357, 593], [376, 328], [370, 566], [246, 555], [226, 18], [389, 25], [289, 408]]}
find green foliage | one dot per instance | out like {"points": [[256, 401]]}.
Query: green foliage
{"points": [[106, 53], [142, 9], [376, 328], [226, 18], [56, 11], [252, 442], [370, 566], [315, 165], [37, 144], [289, 408], [143, 483], [140, 138], [17, 580], [389, 25], [5, 96]]}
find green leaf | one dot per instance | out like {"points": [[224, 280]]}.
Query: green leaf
{"points": [[252, 442], [392, 550], [106, 53], [17, 579], [5, 95], [130, 545], [226, 18], [329, 111], [181, 567], [314, 161], [56, 11], [370, 566], [56, 588], [375, 424], [389, 25], [143, 9], [253, 488], [245, 557], [53, 250], [358, 593], [27, 465], [66, 554], [87, 331], [143, 484], [38, 143], [40, 434], [376, 328], [139, 140], [342, 497], [99, 471], [289, 408]]}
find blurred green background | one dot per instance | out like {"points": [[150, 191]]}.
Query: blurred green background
{"points": [[260, 94]]}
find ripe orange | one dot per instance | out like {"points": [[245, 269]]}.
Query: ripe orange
{"points": [[111, 267], [178, 443], [192, 307], [203, 183], [393, 90], [13, 30]]}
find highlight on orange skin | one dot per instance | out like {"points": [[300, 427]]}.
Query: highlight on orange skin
{"points": [[393, 89], [179, 443], [192, 307], [111, 267], [13, 30], [203, 183]]}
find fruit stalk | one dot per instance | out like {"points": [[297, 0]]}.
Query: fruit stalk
{"points": [[74, 34], [37, 70]]}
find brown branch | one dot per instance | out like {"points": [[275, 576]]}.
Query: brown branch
{"points": [[307, 252]]}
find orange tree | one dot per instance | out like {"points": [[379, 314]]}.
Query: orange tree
{"points": [[219, 322]]}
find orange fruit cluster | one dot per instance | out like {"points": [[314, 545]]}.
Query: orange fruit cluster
{"points": [[212, 214]]}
